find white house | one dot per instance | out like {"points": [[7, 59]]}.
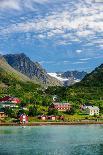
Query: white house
{"points": [[92, 110]]}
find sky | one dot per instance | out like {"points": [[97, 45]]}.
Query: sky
{"points": [[61, 35]]}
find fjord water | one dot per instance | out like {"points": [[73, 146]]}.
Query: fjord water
{"points": [[52, 140]]}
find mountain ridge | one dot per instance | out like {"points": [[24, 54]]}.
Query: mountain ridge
{"points": [[32, 70]]}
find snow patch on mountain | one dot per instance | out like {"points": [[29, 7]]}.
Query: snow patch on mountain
{"points": [[58, 76]]}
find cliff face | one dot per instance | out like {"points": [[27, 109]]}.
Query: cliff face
{"points": [[33, 70], [74, 74]]}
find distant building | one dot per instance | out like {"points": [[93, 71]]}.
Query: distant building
{"points": [[42, 117], [2, 115], [84, 106], [53, 118], [55, 98], [61, 106], [9, 101], [92, 110], [23, 118]]}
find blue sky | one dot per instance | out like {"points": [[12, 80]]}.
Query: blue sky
{"points": [[60, 34]]}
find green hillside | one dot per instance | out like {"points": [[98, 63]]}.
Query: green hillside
{"points": [[89, 90], [14, 83], [95, 78]]}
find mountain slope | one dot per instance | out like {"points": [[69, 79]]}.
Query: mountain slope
{"points": [[5, 68], [95, 78], [75, 74], [13, 82], [33, 70]]}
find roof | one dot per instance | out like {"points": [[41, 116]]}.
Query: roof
{"points": [[1, 112], [57, 103], [10, 99], [93, 108]]}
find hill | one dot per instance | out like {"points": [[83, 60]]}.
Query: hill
{"points": [[95, 78], [89, 90]]}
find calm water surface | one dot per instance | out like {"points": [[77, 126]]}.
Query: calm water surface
{"points": [[52, 140]]}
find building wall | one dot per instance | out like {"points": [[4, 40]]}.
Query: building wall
{"points": [[2, 115], [63, 107], [92, 112]]}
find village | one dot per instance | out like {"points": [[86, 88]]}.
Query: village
{"points": [[64, 108]]}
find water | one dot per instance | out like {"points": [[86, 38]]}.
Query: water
{"points": [[52, 140]]}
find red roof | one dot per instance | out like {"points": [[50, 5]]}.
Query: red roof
{"points": [[10, 99]]}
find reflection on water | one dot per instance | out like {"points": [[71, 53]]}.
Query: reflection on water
{"points": [[52, 140]]}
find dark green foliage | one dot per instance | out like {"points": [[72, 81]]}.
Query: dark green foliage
{"points": [[53, 112], [32, 111], [10, 112]]}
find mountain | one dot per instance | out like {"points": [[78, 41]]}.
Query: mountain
{"points": [[88, 91], [69, 78], [32, 70], [94, 79], [75, 74], [14, 83], [6, 68]]}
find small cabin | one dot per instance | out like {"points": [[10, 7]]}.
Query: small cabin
{"points": [[42, 117], [53, 118]]}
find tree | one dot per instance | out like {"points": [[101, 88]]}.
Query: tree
{"points": [[53, 112], [71, 111], [32, 111]]}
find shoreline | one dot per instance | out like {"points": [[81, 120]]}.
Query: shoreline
{"points": [[50, 123]]}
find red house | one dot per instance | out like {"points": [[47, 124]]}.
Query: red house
{"points": [[10, 99], [61, 106], [53, 118], [42, 117], [23, 119]]}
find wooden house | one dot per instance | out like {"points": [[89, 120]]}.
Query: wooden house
{"points": [[61, 106]]}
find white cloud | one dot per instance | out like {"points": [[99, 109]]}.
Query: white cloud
{"points": [[39, 1], [79, 62], [78, 51], [84, 21], [85, 59], [10, 4]]}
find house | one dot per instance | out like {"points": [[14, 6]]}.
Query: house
{"points": [[61, 106], [84, 106], [23, 118], [9, 101], [92, 110], [2, 115], [53, 118], [42, 117]]}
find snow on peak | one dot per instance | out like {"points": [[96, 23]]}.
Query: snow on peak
{"points": [[55, 75]]}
